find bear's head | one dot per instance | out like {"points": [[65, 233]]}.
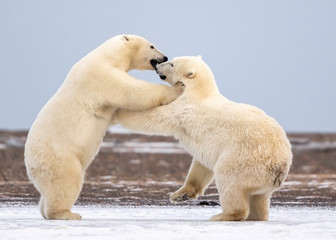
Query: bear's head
{"points": [[145, 56], [192, 72]]}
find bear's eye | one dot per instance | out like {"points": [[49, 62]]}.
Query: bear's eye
{"points": [[171, 64], [152, 47]]}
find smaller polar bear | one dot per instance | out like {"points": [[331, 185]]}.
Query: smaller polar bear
{"points": [[238, 145], [67, 132]]}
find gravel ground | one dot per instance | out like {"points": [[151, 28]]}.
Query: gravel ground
{"points": [[140, 170]]}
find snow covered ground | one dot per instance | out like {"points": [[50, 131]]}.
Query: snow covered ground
{"points": [[166, 223]]}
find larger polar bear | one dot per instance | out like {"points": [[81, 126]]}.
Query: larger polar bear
{"points": [[67, 133], [238, 145]]}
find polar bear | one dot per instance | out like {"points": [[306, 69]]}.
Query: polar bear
{"points": [[67, 133], [243, 149]]}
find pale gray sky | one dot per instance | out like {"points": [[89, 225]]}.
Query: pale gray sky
{"points": [[277, 55]]}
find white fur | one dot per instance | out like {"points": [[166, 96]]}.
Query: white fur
{"points": [[243, 149], [67, 133]]}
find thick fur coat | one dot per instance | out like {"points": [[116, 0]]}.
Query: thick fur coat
{"points": [[67, 133], [242, 148]]}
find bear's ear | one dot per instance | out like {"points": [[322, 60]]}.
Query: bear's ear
{"points": [[125, 38], [190, 74], [199, 56]]}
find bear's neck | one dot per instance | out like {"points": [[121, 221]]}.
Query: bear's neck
{"points": [[117, 56], [201, 90], [121, 60]]}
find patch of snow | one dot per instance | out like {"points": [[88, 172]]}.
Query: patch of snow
{"points": [[119, 129], [106, 177], [212, 195], [292, 183], [320, 146], [165, 183], [12, 141], [298, 140], [166, 223], [135, 161], [325, 184], [145, 147]]}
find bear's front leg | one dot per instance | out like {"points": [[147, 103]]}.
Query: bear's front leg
{"points": [[158, 120], [198, 179], [137, 95]]}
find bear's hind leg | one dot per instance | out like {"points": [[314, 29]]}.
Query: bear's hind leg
{"points": [[42, 207], [233, 197], [259, 205], [63, 192], [235, 206], [63, 215]]}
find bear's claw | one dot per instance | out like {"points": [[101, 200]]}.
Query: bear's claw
{"points": [[180, 198], [185, 197]]}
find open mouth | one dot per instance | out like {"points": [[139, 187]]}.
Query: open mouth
{"points": [[154, 62], [163, 77]]}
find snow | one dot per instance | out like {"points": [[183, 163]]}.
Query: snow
{"points": [[315, 146], [144, 147], [12, 141], [119, 129], [298, 144], [166, 223]]}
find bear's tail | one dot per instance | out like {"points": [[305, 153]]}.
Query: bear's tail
{"points": [[279, 179]]}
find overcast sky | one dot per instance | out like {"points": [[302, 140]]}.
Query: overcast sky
{"points": [[277, 55]]}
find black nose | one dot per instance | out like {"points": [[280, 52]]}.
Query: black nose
{"points": [[165, 59]]}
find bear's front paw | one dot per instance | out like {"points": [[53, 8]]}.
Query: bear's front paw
{"points": [[171, 95], [182, 196], [179, 198]]}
